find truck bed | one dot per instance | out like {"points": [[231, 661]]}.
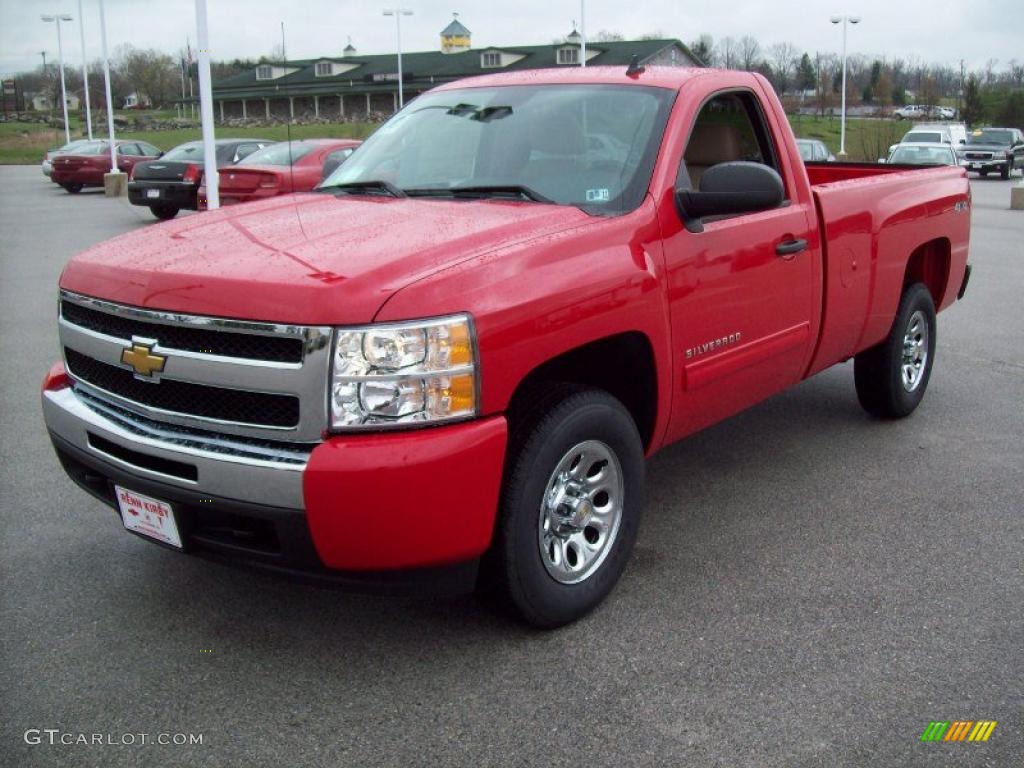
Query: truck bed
{"points": [[872, 217]]}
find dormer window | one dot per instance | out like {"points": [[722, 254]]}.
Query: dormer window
{"points": [[568, 55], [264, 72], [324, 69], [490, 60]]}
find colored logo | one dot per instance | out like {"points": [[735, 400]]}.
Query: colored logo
{"points": [[141, 358], [958, 730]]}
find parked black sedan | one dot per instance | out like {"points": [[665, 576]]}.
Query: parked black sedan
{"points": [[170, 183]]}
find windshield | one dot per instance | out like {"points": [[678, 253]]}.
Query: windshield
{"points": [[990, 137], [92, 148], [284, 153], [920, 137], [923, 156], [591, 146]]}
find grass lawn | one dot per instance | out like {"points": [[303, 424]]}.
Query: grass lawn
{"points": [[25, 143]]}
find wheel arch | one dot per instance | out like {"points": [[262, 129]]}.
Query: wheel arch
{"points": [[622, 364], [929, 263]]}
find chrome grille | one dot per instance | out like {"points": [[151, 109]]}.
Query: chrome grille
{"points": [[235, 377]]}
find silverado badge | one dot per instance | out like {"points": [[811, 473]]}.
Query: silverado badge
{"points": [[141, 358]]}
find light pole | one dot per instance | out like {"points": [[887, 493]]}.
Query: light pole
{"points": [[114, 190], [583, 33], [58, 18], [842, 122], [398, 13], [206, 109], [85, 71]]}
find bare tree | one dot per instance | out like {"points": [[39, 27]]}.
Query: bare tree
{"points": [[728, 53], [783, 58], [750, 53]]}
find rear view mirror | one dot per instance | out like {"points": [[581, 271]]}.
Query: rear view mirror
{"points": [[730, 188]]}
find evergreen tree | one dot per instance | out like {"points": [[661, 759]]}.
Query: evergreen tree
{"points": [[805, 73], [973, 109]]}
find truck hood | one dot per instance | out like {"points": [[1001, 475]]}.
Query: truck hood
{"points": [[307, 259]]}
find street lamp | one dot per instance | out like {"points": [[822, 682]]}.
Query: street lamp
{"points": [[58, 18], [115, 184], [842, 124], [85, 71], [398, 13]]}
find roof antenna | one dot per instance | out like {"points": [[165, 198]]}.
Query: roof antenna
{"points": [[635, 69]]}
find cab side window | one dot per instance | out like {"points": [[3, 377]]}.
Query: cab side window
{"points": [[729, 127]]}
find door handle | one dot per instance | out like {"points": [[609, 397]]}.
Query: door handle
{"points": [[790, 247]]}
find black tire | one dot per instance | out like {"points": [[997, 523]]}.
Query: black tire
{"points": [[164, 212], [879, 372], [1004, 172], [72, 189], [983, 174], [517, 569]]}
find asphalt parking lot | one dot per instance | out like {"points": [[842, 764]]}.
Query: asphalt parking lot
{"points": [[811, 587]]}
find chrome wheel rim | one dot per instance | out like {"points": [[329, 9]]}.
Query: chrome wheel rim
{"points": [[580, 512], [915, 351]]}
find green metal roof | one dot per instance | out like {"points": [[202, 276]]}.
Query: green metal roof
{"points": [[427, 68]]}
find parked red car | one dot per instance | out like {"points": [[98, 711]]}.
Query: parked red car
{"points": [[295, 166], [86, 166]]}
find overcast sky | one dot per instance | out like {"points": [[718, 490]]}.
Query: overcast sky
{"points": [[931, 30]]}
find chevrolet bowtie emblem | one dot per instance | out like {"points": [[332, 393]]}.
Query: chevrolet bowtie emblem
{"points": [[141, 358]]}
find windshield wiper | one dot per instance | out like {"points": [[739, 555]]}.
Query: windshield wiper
{"points": [[370, 187], [518, 191]]}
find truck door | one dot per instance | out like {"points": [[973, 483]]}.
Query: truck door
{"points": [[740, 291]]}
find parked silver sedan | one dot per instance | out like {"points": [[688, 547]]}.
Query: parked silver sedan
{"points": [[66, 149], [814, 151]]}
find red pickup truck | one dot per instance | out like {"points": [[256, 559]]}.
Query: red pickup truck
{"points": [[446, 369]]}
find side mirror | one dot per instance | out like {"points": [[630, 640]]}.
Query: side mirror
{"points": [[728, 188]]}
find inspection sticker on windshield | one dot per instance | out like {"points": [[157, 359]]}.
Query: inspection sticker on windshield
{"points": [[598, 196], [150, 517]]}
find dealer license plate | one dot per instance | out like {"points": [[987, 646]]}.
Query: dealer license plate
{"points": [[975, 166], [152, 193], [148, 516]]}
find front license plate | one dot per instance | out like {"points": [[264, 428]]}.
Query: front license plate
{"points": [[148, 516], [152, 193], [975, 166]]}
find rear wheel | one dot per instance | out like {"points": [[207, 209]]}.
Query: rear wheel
{"points": [[892, 377], [570, 509], [73, 189], [164, 212]]}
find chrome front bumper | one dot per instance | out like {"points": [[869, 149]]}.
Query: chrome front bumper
{"points": [[225, 466]]}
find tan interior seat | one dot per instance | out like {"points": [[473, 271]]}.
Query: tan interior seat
{"points": [[711, 144]]}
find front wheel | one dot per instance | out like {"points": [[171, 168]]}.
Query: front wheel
{"points": [[570, 508], [892, 377], [72, 189], [164, 212], [1004, 172]]}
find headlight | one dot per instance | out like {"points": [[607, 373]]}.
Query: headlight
{"points": [[404, 374], [1000, 155]]}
